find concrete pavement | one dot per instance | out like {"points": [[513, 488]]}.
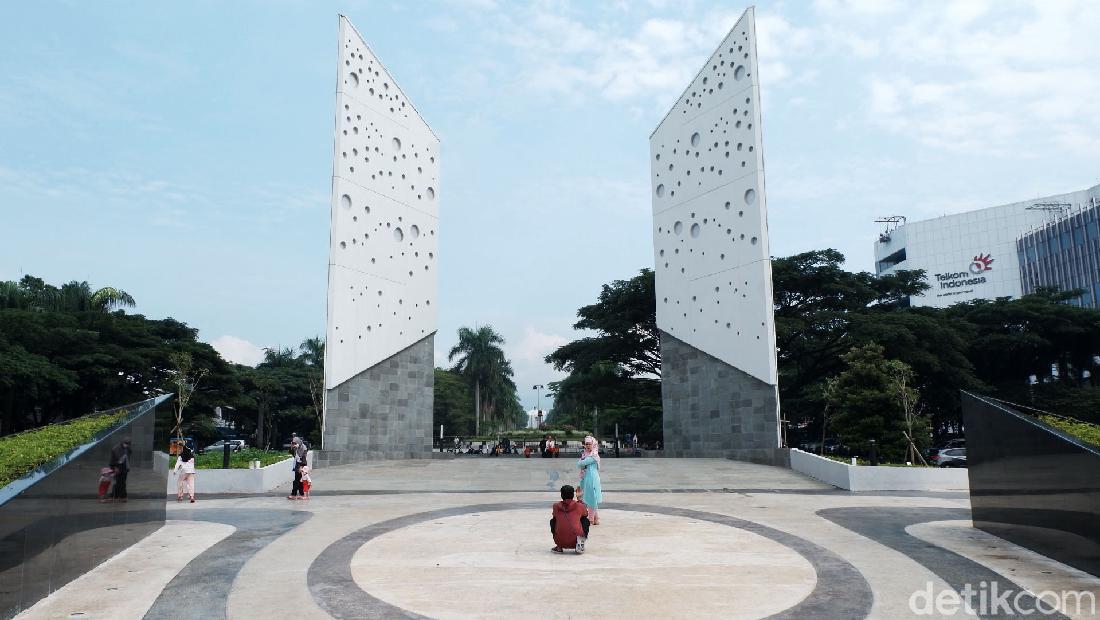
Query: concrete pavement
{"points": [[468, 538]]}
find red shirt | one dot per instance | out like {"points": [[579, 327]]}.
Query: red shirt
{"points": [[567, 522]]}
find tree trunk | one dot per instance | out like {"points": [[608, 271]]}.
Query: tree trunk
{"points": [[477, 408], [260, 428]]}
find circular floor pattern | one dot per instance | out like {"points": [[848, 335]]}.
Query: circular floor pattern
{"points": [[389, 569], [675, 566]]}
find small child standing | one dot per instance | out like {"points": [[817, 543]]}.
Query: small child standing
{"points": [[106, 476], [569, 523], [306, 480]]}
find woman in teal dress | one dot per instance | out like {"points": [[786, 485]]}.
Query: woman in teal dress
{"points": [[591, 492]]}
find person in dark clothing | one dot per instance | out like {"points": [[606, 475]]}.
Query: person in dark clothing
{"points": [[299, 451], [120, 463]]}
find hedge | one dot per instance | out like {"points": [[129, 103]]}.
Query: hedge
{"points": [[22, 453], [239, 460]]}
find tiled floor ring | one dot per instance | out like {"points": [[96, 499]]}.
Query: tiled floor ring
{"points": [[333, 587]]}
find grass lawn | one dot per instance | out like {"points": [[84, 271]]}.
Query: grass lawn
{"points": [[22, 453], [1082, 430], [847, 460], [238, 460]]}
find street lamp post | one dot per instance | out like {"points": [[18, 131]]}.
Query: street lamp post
{"points": [[538, 401], [538, 395]]}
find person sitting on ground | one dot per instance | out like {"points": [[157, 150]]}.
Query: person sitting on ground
{"points": [[569, 523]]}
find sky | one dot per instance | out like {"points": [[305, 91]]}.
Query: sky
{"points": [[182, 152]]}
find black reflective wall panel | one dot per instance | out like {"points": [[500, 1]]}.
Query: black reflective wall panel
{"points": [[54, 529], [1032, 484]]}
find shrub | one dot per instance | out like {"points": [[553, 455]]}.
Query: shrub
{"points": [[1082, 430], [23, 453], [239, 460]]}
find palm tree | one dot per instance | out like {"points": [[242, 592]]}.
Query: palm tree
{"points": [[79, 297], [313, 351], [279, 357], [313, 354], [482, 362], [34, 294], [110, 298]]}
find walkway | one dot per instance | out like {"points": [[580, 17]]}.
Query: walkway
{"points": [[468, 538]]}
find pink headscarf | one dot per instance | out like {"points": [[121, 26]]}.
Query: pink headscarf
{"points": [[593, 451]]}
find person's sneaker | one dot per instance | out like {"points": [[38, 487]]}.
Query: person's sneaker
{"points": [[580, 544], [558, 550]]}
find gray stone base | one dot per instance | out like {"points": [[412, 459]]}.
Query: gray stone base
{"points": [[712, 409], [384, 412]]}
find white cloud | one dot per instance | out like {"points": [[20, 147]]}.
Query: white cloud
{"points": [[534, 346], [238, 350], [584, 59], [961, 76]]}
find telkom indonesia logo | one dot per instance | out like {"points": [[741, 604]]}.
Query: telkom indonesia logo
{"points": [[982, 262]]}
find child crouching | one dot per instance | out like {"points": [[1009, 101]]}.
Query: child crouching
{"points": [[569, 523]]}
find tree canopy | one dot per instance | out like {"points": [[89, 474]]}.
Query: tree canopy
{"points": [[488, 373]]}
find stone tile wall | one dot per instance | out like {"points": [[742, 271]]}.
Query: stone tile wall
{"points": [[384, 412], [712, 409]]}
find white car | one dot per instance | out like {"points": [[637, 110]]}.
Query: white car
{"points": [[235, 445]]}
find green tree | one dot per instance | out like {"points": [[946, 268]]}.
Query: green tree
{"points": [[313, 355], [616, 371], [482, 362], [453, 405], [868, 402], [624, 318]]}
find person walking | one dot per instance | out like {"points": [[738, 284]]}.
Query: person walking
{"points": [[120, 462], [299, 451], [590, 489], [542, 445], [185, 463]]}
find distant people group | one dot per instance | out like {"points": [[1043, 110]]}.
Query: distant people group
{"points": [[548, 447]]}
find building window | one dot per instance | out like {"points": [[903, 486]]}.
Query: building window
{"points": [[1079, 235], [891, 260], [1031, 254], [1066, 244]]}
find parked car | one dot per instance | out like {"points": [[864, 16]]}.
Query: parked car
{"points": [[235, 445], [947, 445], [950, 457]]}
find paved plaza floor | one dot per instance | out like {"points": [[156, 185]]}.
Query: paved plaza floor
{"points": [[468, 538]]}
